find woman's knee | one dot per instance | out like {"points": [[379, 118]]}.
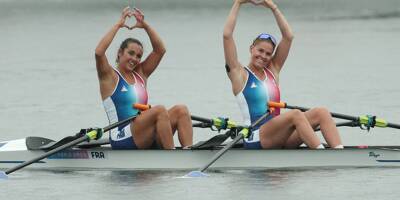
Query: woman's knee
{"points": [[296, 116], [271, 143], [319, 113], [160, 111], [180, 110]]}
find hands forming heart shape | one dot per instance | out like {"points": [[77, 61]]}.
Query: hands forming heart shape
{"points": [[266, 3], [128, 12]]}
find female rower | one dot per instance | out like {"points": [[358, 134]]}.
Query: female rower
{"points": [[257, 84], [124, 85]]}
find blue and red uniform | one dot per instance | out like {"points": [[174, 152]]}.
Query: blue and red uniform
{"points": [[118, 107], [253, 102]]}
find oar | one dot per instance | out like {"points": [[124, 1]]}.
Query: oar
{"points": [[95, 134], [242, 134], [216, 124], [340, 124], [219, 123], [366, 120]]}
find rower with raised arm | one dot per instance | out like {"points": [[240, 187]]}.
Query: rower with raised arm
{"points": [[126, 84], [258, 82]]}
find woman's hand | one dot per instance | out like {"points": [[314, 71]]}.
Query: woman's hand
{"points": [[125, 13], [269, 4], [139, 16], [256, 2], [243, 1]]}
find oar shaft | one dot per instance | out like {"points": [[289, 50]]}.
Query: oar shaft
{"points": [[222, 152], [116, 124], [336, 115], [49, 153], [65, 146], [143, 107], [201, 119], [233, 142], [379, 122], [393, 125]]}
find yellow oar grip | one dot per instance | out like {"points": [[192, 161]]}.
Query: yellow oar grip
{"points": [[219, 123], [378, 122], [245, 132], [231, 124], [381, 123], [276, 104], [92, 134]]}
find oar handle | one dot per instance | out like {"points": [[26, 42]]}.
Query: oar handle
{"points": [[273, 104], [362, 120], [304, 109], [141, 107], [219, 123]]}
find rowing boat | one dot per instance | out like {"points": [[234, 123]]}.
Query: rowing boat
{"points": [[74, 153], [103, 157]]}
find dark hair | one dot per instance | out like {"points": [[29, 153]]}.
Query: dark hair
{"points": [[125, 44]]}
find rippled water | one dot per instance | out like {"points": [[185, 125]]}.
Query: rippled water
{"points": [[358, 183]]}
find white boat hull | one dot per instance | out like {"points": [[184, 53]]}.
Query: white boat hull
{"points": [[14, 153]]}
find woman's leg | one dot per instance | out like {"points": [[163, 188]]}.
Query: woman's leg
{"points": [[152, 125], [318, 117], [327, 126], [276, 132], [180, 120]]}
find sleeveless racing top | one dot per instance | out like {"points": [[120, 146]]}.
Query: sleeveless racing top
{"points": [[254, 97], [118, 106]]}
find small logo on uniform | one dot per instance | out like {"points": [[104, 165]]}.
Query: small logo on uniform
{"points": [[121, 134], [124, 89], [253, 85]]}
